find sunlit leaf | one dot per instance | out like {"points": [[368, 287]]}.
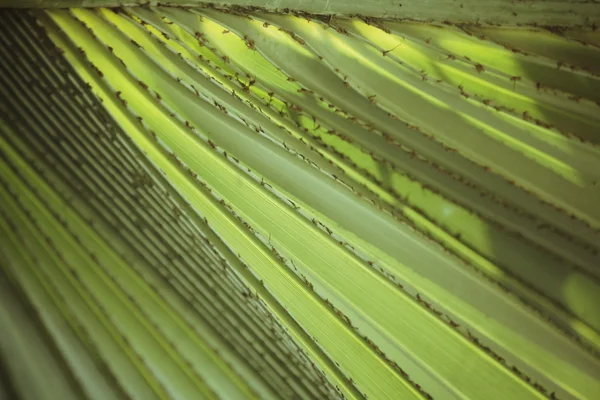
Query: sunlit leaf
{"points": [[212, 203]]}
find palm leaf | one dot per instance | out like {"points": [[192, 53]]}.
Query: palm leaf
{"points": [[232, 203]]}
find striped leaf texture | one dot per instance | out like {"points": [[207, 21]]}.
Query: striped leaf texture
{"points": [[531, 12], [229, 203]]}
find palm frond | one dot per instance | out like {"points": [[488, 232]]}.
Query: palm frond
{"points": [[210, 203]]}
